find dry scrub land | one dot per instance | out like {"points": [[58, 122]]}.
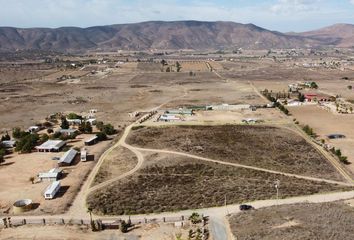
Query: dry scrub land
{"points": [[298, 222], [171, 183], [261, 146]]}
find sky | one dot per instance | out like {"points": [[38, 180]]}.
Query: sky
{"points": [[279, 15]]}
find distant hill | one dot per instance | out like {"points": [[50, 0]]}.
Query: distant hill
{"points": [[167, 35], [339, 35]]}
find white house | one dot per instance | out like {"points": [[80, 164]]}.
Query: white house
{"points": [[52, 190], [51, 146]]}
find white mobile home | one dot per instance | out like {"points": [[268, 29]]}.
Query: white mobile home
{"points": [[67, 158], [83, 155], [52, 175], [52, 190]]}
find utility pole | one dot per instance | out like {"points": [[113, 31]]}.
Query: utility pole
{"points": [[277, 185]]}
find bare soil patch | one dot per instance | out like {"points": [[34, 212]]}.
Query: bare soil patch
{"points": [[177, 183], [299, 221], [261, 146], [119, 161]]}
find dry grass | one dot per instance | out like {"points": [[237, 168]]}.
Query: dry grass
{"points": [[178, 183], [119, 161], [300, 221], [261, 146]]}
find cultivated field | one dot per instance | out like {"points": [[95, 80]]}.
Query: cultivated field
{"points": [[300, 221], [261, 146], [171, 183]]}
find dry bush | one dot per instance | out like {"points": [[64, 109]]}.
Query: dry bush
{"points": [[189, 184], [261, 146], [310, 221]]}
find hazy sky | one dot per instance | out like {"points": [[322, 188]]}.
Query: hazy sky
{"points": [[281, 15]]}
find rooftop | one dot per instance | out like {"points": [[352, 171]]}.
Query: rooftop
{"points": [[68, 157], [52, 144], [50, 189]]}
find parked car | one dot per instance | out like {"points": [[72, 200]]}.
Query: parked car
{"points": [[245, 207], [55, 158]]}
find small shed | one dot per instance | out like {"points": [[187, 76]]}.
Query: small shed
{"points": [[91, 141], [52, 190], [67, 158], [51, 146]]}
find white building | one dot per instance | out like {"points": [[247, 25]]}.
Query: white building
{"points": [[83, 155], [169, 118], [9, 143], [52, 190], [52, 175], [67, 158], [33, 129], [51, 146]]}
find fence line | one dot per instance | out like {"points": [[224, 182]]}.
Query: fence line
{"points": [[9, 222]]}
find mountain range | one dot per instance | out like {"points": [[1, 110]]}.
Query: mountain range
{"points": [[175, 35]]}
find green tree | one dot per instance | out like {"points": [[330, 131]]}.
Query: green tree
{"points": [[44, 138], [73, 116], [6, 137], [64, 123], [314, 85], [178, 66], [108, 129], [88, 127], [101, 136]]}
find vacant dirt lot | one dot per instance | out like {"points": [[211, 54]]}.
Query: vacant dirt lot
{"points": [[262, 146], [330, 123], [18, 168], [145, 232], [300, 221], [171, 183], [119, 161]]}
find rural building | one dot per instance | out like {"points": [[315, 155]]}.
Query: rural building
{"points": [[52, 175], [33, 129], [83, 155], [52, 190], [74, 121], [92, 121], [51, 146], [91, 141], [169, 118], [9, 143], [335, 136], [189, 112], [67, 158], [312, 97], [294, 103], [68, 132], [227, 107]]}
